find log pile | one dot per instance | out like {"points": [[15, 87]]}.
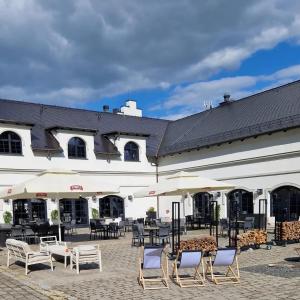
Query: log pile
{"points": [[252, 237], [289, 230], [205, 244]]}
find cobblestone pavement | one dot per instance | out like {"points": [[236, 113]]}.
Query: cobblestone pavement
{"points": [[264, 274]]}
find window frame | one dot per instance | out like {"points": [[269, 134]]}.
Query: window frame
{"points": [[77, 148], [131, 159], [10, 140]]}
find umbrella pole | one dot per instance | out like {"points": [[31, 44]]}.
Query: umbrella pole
{"points": [[59, 227]]}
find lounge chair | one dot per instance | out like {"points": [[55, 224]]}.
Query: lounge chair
{"points": [[21, 251], [153, 258], [86, 254], [224, 258], [189, 259]]}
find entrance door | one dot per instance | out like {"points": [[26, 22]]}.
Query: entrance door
{"points": [[74, 209], [111, 207], [27, 210], [244, 201], [201, 205], [285, 203]]}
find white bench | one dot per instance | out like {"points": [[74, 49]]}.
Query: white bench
{"points": [[21, 251]]}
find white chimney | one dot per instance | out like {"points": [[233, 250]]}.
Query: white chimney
{"points": [[130, 109]]}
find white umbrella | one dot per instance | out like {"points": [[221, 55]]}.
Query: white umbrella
{"points": [[57, 183], [182, 183]]}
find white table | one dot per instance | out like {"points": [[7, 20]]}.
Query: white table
{"points": [[60, 250]]}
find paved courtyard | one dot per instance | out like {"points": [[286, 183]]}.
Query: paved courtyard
{"points": [[265, 274]]}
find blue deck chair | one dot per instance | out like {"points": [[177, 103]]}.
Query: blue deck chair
{"points": [[224, 258], [189, 259], [153, 258]]}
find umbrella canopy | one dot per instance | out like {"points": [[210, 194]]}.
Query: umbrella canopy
{"points": [[182, 183], [58, 183]]}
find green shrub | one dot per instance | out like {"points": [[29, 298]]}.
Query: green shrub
{"points": [[95, 213], [54, 215], [151, 209], [7, 216]]}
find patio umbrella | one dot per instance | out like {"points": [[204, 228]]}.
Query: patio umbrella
{"points": [[182, 183], [57, 184]]}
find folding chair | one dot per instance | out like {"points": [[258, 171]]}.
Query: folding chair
{"points": [[153, 258], [224, 258], [189, 259]]}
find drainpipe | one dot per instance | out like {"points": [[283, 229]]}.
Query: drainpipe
{"points": [[157, 197]]}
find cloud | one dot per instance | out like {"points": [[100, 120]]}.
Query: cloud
{"points": [[194, 97], [76, 51]]}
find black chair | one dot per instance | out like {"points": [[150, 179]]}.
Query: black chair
{"points": [[128, 224], [122, 228], [248, 223], [29, 235], [17, 233], [93, 229], [113, 230], [137, 236], [224, 226], [163, 234]]}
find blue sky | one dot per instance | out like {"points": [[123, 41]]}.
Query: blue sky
{"points": [[173, 57]]}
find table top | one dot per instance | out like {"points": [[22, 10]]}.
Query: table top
{"points": [[151, 228]]}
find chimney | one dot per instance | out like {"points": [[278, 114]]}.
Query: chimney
{"points": [[227, 97], [106, 108]]}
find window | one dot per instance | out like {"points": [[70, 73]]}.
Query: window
{"points": [[131, 152], [111, 207], [76, 148], [10, 142]]}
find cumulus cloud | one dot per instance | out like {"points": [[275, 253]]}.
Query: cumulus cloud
{"points": [[75, 51], [198, 96]]}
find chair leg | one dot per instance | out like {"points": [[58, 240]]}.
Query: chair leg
{"points": [[51, 263], [77, 265], [26, 268], [8, 259]]}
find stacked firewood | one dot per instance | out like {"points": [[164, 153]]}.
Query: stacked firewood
{"points": [[206, 244], [252, 237], [290, 230]]}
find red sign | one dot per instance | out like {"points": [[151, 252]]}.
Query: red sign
{"points": [[151, 192], [76, 187], [9, 191], [41, 194]]}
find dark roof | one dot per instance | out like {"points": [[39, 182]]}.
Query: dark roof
{"points": [[265, 112], [45, 117], [268, 111]]}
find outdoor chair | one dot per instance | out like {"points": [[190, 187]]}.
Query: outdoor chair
{"points": [[224, 226], [17, 233], [248, 223], [121, 228], [189, 259], [137, 236], [29, 235], [128, 224], [224, 258], [21, 251], [113, 230], [151, 259], [163, 235], [54, 247], [86, 254], [93, 229]]}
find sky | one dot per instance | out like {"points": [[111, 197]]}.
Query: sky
{"points": [[174, 57]]}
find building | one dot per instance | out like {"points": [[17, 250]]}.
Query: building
{"points": [[253, 142]]}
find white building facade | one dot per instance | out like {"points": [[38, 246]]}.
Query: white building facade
{"points": [[259, 154]]}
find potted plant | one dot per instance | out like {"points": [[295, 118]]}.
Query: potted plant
{"points": [[151, 213], [95, 213], [7, 217], [54, 216]]}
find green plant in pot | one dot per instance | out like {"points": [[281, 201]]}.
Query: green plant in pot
{"points": [[151, 213], [95, 213], [7, 217], [54, 216]]}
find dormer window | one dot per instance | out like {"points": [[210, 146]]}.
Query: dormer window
{"points": [[10, 143], [76, 148], [131, 152]]}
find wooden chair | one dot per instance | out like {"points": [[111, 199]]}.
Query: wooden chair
{"points": [[224, 258], [86, 254], [189, 259], [21, 251], [153, 258]]}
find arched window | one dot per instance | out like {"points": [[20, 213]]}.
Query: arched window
{"points": [[76, 148], [240, 203], [10, 142], [131, 152]]}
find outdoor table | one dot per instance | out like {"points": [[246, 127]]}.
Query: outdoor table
{"points": [[152, 231], [60, 250]]}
